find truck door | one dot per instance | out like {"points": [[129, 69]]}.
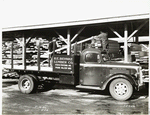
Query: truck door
{"points": [[90, 72]]}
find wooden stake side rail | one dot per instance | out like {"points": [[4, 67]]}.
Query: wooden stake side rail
{"points": [[24, 53], [38, 56], [24, 65]]}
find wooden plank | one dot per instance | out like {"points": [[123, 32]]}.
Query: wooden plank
{"points": [[11, 58], [28, 40], [38, 55]]}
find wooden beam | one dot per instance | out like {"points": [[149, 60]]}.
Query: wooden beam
{"points": [[38, 55], [28, 40], [24, 53], [137, 30], [65, 47], [125, 44], [115, 32], [147, 48], [12, 64], [19, 41], [69, 43], [61, 37], [76, 35]]}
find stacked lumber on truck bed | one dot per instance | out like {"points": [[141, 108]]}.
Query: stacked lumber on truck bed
{"points": [[113, 46], [31, 51], [6, 52]]}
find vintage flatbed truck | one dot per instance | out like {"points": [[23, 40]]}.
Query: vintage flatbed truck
{"points": [[85, 70]]}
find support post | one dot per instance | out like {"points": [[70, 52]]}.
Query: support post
{"points": [[38, 55], [125, 44], [12, 64], [136, 38], [24, 53], [75, 48], [69, 43]]}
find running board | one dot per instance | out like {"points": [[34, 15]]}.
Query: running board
{"points": [[88, 87]]}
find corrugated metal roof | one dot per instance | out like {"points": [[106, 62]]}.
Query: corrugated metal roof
{"points": [[81, 22]]}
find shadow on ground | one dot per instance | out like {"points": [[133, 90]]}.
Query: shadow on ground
{"points": [[136, 94]]}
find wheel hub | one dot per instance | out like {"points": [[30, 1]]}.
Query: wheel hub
{"points": [[26, 84], [121, 89]]}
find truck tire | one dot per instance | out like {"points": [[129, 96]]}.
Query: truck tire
{"points": [[27, 84], [121, 89]]}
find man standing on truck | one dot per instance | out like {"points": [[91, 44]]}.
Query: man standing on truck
{"points": [[100, 41]]}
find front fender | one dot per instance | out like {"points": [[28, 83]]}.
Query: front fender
{"points": [[120, 75]]}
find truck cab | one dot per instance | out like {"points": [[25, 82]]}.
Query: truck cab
{"points": [[121, 78]]}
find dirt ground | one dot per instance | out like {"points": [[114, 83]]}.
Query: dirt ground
{"points": [[63, 100]]}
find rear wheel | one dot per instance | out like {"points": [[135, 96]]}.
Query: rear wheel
{"points": [[121, 89], [27, 84]]}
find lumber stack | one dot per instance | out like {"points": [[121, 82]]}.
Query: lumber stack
{"points": [[140, 52], [140, 56], [113, 46]]}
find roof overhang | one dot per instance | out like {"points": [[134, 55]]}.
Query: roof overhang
{"points": [[81, 22]]}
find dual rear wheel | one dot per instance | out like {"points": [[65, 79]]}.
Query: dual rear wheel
{"points": [[29, 84]]}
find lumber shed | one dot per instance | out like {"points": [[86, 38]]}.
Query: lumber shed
{"points": [[124, 29]]}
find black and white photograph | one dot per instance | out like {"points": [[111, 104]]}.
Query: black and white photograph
{"points": [[72, 57]]}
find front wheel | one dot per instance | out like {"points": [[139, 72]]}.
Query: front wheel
{"points": [[27, 84], [121, 89]]}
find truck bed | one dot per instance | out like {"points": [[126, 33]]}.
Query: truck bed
{"points": [[33, 68]]}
